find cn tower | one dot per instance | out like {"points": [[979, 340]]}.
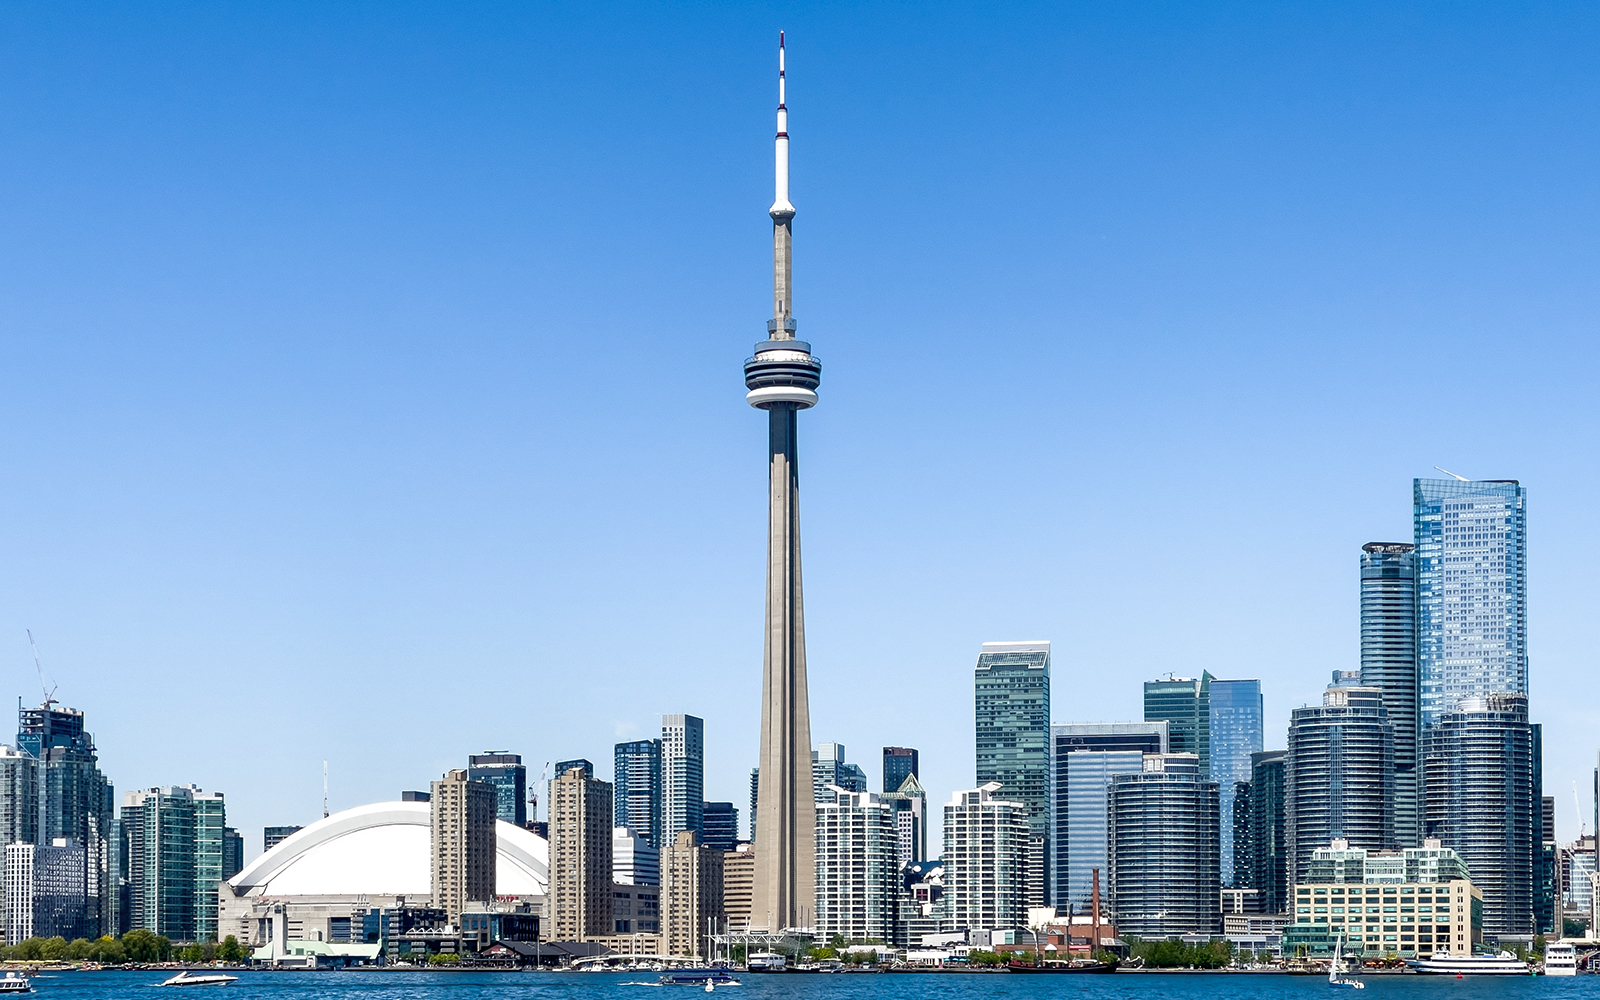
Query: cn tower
{"points": [[782, 378]]}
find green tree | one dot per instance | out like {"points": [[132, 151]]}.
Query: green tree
{"points": [[444, 959], [229, 950], [143, 946], [978, 956], [78, 950], [30, 950], [191, 953], [53, 949], [108, 951]]}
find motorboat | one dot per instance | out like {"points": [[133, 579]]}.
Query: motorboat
{"points": [[1336, 975], [15, 983], [710, 979], [1561, 959], [208, 979], [766, 961], [1503, 964]]}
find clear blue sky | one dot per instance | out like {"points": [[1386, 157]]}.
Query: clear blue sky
{"points": [[373, 387]]}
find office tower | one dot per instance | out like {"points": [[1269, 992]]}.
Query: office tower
{"points": [[563, 766], [272, 836], [987, 840], [1409, 903], [683, 755], [828, 768], [1481, 794], [899, 763], [210, 819], [462, 845], [691, 896], [580, 856], [1471, 570], [720, 822], [79, 802], [1086, 756], [638, 791], [1012, 700], [1237, 717], [1339, 775], [1185, 705], [782, 378], [857, 877], [1269, 851], [232, 853], [738, 887], [910, 805], [506, 774], [1389, 663], [1165, 873], [633, 860], [47, 891], [159, 836]]}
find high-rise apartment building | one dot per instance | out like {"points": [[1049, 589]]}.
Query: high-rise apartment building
{"points": [[683, 755], [899, 763], [272, 836], [638, 788], [1482, 796], [1339, 775], [720, 825], [1164, 845], [1389, 663], [210, 820], [910, 805], [19, 797], [738, 887], [1012, 700], [47, 891], [79, 802], [580, 856], [987, 841], [829, 770], [1184, 703], [857, 877], [633, 860], [691, 896], [505, 773], [172, 850], [1086, 757], [1269, 850], [1238, 716], [232, 853], [462, 845], [1471, 568]]}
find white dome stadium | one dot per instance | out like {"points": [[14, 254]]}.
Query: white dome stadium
{"points": [[382, 850]]}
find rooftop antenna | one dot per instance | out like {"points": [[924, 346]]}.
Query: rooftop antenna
{"points": [[48, 689], [324, 789], [1452, 475]]}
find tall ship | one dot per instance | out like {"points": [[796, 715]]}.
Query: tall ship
{"points": [[1503, 964]]}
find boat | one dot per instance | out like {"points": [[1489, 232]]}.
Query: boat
{"points": [[1336, 970], [1561, 958], [766, 961], [15, 983], [1061, 967], [210, 979], [1503, 964], [708, 978]]}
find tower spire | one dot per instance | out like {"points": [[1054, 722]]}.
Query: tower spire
{"points": [[782, 213]]}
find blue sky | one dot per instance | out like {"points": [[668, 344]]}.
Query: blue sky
{"points": [[373, 370]]}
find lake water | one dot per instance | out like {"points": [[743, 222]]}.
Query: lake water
{"points": [[583, 986]]}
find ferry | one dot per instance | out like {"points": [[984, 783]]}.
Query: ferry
{"points": [[14, 983], [766, 961], [184, 979], [1503, 964], [1561, 959]]}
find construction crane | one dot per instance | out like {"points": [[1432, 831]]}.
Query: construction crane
{"points": [[1577, 804], [48, 689]]}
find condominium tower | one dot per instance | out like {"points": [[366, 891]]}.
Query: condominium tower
{"points": [[461, 842], [683, 783], [1237, 718], [857, 873], [1389, 663], [1269, 852], [1012, 698], [1165, 869], [1339, 775], [580, 857], [638, 788], [1087, 755], [172, 860], [505, 773], [78, 801], [987, 842]]}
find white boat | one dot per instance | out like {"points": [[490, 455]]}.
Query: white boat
{"points": [[14, 983], [1503, 964], [211, 979], [1337, 966], [1561, 959], [766, 961]]}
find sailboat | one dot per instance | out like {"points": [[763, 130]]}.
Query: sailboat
{"points": [[1337, 966]]}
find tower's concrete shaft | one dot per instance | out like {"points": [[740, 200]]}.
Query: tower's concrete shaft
{"points": [[782, 379]]}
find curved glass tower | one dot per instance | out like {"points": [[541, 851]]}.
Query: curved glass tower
{"points": [[1389, 663]]}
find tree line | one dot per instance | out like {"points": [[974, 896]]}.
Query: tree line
{"points": [[136, 946]]}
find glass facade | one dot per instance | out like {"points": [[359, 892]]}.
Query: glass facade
{"points": [[1165, 870], [1086, 756], [78, 799], [829, 768], [683, 763], [1012, 707], [210, 822], [1268, 846], [899, 763], [720, 826], [1471, 564], [638, 801], [1237, 718], [1339, 775], [1389, 663], [1185, 705], [509, 777]]}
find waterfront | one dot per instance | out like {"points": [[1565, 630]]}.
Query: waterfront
{"points": [[378, 985]]}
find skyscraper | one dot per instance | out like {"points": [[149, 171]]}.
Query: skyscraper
{"points": [[691, 896], [899, 763], [1389, 663], [1087, 756], [232, 853], [1237, 717], [1162, 828], [1339, 775], [857, 874], [1471, 566], [1185, 705], [638, 791], [210, 820], [505, 773], [828, 767], [79, 802], [910, 805], [580, 856], [720, 826], [1269, 852], [683, 764], [986, 847], [1012, 700], [158, 827], [1482, 795], [462, 846], [782, 378]]}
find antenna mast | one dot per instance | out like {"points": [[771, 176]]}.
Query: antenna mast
{"points": [[324, 789]]}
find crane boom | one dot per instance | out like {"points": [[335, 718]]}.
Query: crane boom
{"points": [[1577, 804], [49, 689]]}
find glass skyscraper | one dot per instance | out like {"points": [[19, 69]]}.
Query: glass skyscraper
{"points": [[1471, 592], [1237, 718], [505, 771], [78, 799], [683, 764], [1389, 663], [899, 763], [1162, 825], [638, 794], [1268, 849], [1185, 704], [1012, 701], [1339, 775], [1087, 755]]}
